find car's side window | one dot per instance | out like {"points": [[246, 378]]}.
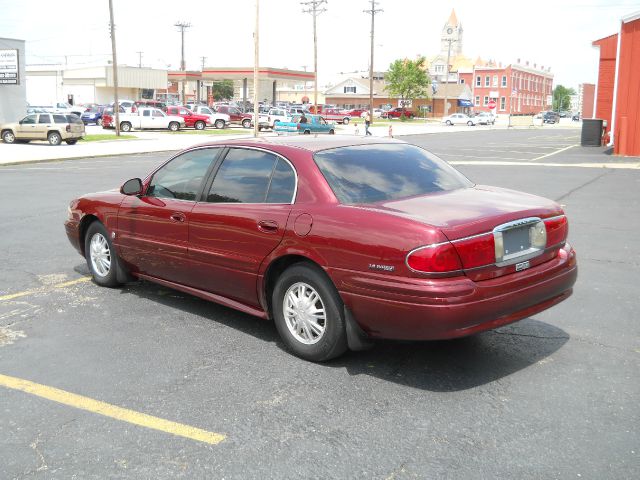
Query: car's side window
{"points": [[146, 113], [158, 113], [182, 177], [283, 184], [244, 177], [60, 119], [29, 119], [44, 118]]}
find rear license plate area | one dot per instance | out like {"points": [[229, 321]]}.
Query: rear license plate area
{"points": [[516, 241]]}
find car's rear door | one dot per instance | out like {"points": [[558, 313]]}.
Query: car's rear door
{"points": [[240, 220], [153, 228]]}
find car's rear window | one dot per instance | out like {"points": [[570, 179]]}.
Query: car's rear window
{"points": [[375, 173], [73, 118]]}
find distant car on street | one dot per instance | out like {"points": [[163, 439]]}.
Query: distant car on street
{"points": [[550, 117], [93, 115], [150, 118], [485, 118], [313, 124], [52, 127], [460, 119], [195, 120], [397, 113]]}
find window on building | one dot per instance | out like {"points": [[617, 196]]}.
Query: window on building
{"points": [[503, 102], [439, 68], [461, 81], [478, 81], [350, 89], [486, 100], [504, 80], [477, 100], [495, 80], [487, 81]]}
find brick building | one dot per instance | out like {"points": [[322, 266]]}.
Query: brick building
{"points": [[586, 98]]}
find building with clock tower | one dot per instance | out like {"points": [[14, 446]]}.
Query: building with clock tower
{"points": [[452, 31]]}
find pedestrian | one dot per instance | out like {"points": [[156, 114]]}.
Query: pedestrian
{"points": [[303, 118], [357, 131], [367, 123]]}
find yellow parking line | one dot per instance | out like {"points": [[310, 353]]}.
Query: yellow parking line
{"points": [[112, 411], [11, 296]]}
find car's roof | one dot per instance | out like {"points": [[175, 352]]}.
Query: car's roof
{"points": [[307, 142]]}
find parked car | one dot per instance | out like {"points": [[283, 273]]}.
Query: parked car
{"points": [[128, 105], [313, 124], [60, 107], [336, 115], [236, 116], [108, 120], [484, 118], [311, 233], [151, 103], [93, 115], [460, 119], [195, 120], [576, 117], [53, 127], [218, 120], [377, 113], [277, 115], [356, 112], [150, 118], [397, 113], [550, 117]]}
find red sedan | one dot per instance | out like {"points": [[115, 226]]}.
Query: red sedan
{"points": [[339, 240]]}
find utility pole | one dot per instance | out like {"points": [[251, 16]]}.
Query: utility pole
{"points": [[114, 67], [183, 67], [256, 62], [200, 82], [315, 11], [446, 88], [372, 11], [139, 59]]}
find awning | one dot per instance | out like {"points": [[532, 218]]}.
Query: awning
{"points": [[465, 103]]}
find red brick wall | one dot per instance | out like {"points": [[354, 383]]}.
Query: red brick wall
{"points": [[588, 93]]}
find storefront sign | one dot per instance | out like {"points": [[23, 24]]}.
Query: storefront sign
{"points": [[9, 67]]}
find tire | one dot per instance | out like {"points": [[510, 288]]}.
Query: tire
{"points": [[470, 123], [54, 138], [8, 137], [99, 122], [448, 122], [125, 126], [246, 123], [71, 141], [307, 132], [100, 255], [199, 125], [318, 340], [219, 124], [174, 126], [345, 121], [332, 132]]}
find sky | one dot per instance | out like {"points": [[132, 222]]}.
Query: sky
{"points": [[555, 33]]}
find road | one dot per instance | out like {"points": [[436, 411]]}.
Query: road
{"points": [[552, 396]]}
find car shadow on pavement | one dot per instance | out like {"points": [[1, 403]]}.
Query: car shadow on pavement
{"points": [[439, 366]]}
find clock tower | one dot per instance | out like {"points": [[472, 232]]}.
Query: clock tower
{"points": [[452, 30]]}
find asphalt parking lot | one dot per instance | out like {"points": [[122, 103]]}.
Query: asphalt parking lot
{"points": [[146, 382]]}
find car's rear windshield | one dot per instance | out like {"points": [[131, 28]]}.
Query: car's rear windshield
{"points": [[64, 118], [375, 173]]}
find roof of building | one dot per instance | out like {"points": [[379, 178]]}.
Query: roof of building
{"points": [[453, 20]]}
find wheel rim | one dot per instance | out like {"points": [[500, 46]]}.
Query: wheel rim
{"points": [[53, 138], [9, 137], [304, 313], [100, 255], [173, 127], [199, 126], [219, 124]]}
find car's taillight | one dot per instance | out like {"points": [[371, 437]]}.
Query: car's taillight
{"points": [[557, 230], [476, 251], [438, 258], [133, 109]]}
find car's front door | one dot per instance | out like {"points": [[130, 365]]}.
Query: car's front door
{"points": [[26, 129], [146, 120], [153, 228], [241, 219]]}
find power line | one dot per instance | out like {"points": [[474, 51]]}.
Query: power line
{"points": [[182, 26], [315, 11]]}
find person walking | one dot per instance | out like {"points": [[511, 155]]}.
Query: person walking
{"points": [[367, 123]]}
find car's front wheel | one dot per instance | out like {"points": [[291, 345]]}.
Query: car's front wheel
{"points": [[219, 124], [174, 126], [448, 122], [100, 255], [54, 138], [308, 313], [345, 121], [8, 137]]}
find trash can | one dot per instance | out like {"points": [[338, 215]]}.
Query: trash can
{"points": [[591, 132]]}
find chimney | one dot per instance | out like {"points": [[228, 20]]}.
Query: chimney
{"points": [[518, 62]]}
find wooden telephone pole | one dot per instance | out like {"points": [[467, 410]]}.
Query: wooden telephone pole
{"points": [[315, 11], [372, 11], [114, 67]]}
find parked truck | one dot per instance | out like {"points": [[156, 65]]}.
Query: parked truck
{"points": [[150, 118]]}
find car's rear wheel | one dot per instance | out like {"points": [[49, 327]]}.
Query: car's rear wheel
{"points": [[219, 124], [54, 138], [448, 122], [125, 126], [308, 313], [470, 123], [246, 123], [345, 121], [307, 132], [174, 126], [332, 132], [199, 125], [100, 255], [8, 137], [72, 141]]}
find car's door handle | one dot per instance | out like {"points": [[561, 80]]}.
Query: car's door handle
{"points": [[268, 226], [177, 217]]}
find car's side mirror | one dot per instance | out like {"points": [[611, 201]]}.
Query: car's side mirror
{"points": [[132, 187]]}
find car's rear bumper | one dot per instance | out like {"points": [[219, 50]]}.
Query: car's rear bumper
{"points": [[429, 309]]}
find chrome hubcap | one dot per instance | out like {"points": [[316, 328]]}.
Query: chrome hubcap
{"points": [[304, 313], [100, 255]]}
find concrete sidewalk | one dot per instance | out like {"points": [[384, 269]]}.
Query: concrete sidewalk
{"points": [[159, 141]]}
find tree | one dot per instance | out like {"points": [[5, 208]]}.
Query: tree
{"points": [[222, 90], [408, 79], [562, 97]]}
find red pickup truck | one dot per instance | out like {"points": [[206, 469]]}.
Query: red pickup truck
{"points": [[336, 115], [199, 122], [236, 115]]}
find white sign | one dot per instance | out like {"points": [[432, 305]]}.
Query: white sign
{"points": [[9, 67], [494, 94], [405, 103]]}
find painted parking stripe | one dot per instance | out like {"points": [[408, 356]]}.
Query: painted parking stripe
{"points": [[111, 411], [25, 293], [553, 153]]}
